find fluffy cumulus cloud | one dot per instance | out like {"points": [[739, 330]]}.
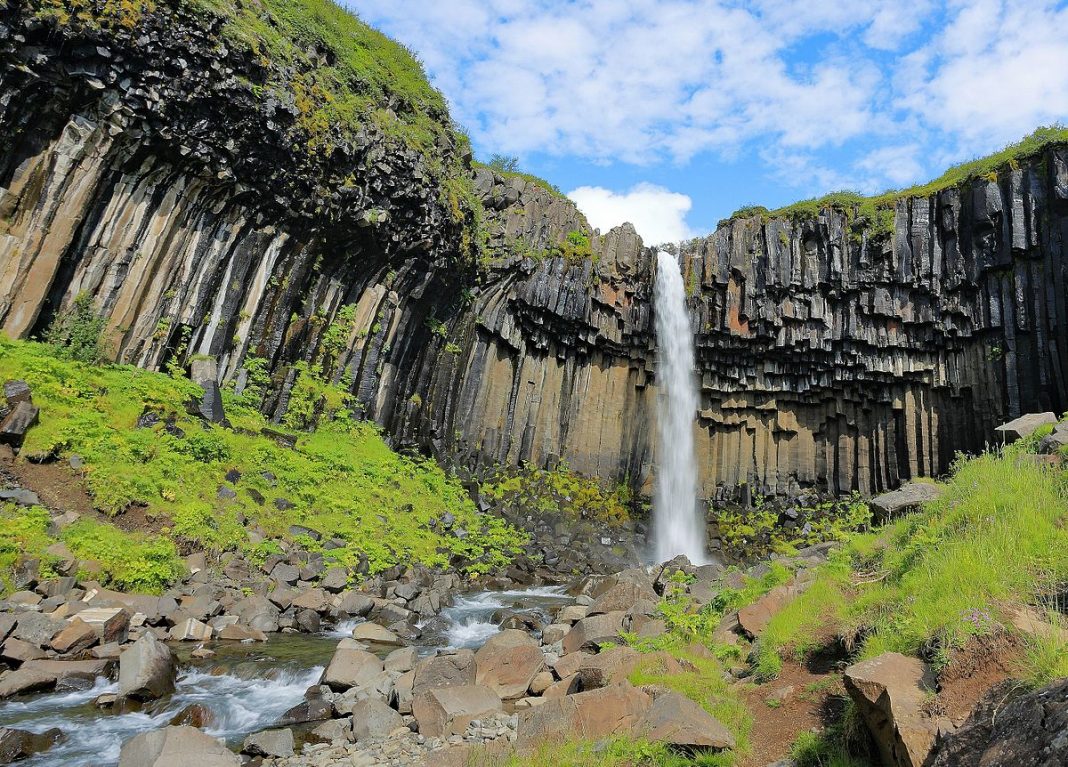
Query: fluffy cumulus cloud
{"points": [[657, 213], [870, 94]]}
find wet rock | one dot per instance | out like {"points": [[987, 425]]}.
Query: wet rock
{"points": [[173, 746], [269, 743], [375, 634], [235, 632], [351, 666], [374, 719], [193, 715], [146, 669], [19, 744], [313, 710], [23, 681]]}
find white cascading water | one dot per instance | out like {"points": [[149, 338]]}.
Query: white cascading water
{"points": [[678, 528]]}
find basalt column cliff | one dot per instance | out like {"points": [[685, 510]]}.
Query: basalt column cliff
{"points": [[156, 165]]}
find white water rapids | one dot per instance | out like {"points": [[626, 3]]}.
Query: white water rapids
{"points": [[678, 527]]}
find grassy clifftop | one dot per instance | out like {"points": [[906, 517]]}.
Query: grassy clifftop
{"points": [[877, 211]]}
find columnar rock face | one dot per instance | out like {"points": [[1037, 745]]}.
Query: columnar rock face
{"points": [[835, 354]]}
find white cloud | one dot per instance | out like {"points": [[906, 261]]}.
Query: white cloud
{"points": [[826, 93], [997, 71], [657, 213]]}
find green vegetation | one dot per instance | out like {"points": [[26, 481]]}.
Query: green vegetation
{"points": [[78, 332], [875, 214], [342, 479], [756, 532], [613, 752], [931, 581], [143, 563], [558, 491], [508, 166]]}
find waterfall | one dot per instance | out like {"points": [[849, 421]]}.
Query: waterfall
{"points": [[678, 527]]}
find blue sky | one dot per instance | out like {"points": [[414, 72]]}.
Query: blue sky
{"points": [[673, 113]]}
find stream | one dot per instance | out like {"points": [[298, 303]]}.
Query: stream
{"points": [[247, 687]]}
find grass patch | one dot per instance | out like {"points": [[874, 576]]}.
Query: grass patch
{"points": [[141, 563], [612, 752], [703, 682], [928, 582], [342, 480]]}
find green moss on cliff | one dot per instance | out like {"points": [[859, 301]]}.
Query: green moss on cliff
{"points": [[875, 214]]}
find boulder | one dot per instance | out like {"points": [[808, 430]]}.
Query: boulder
{"points": [[351, 666], [193, 715], [372, 718], [608, 668], [1023, 427], [311, 710], [333, 731], [622, 595], [594, 630], [19, 744], [235, 632], [146, 669], [355, 604], [675, 719], [23, 681], [456, 670], [258, 613], [508, 662], [889, 692], [270, 743], [111, 623], [588, 715], [72, 674], [447, 711], [191, 630], [77, 635], [335, 579], [907, 498], [1011, 726], [37, 629], [17, 422], [17, 651], [554, 632], [375, 634], [401, 660], [176, 747]]}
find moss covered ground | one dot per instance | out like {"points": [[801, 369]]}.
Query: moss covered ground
{"points": [[342, 480]]}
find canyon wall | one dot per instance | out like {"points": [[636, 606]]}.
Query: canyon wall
{"points": [[145, 170]]}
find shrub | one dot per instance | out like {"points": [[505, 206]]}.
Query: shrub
{"points": [[77, 332]]}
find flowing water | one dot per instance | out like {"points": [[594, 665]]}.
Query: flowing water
{"points": [[471, 618], [247, 687], [677, 524]]}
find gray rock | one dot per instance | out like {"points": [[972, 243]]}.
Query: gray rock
{"points": [[146, 669], [37, 629], [176, 747], [270, 743], [19, 744], [374, 719], [1023, 427], [351, 666], [907, 498]]}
